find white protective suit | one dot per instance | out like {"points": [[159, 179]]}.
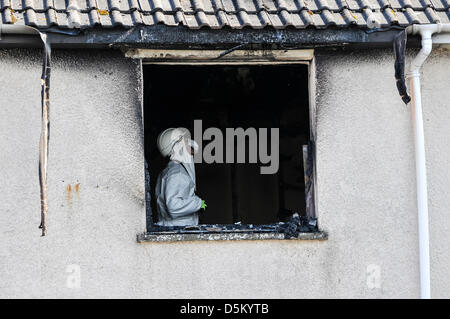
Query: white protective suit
{"points": [[176, 201]]}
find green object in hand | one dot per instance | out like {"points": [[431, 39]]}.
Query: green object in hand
{"points": [[203, 205]]}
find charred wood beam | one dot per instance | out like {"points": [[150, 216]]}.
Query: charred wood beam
{"points": [[308, 166]]}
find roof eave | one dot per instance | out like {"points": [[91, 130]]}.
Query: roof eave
{"points": [[162, 36]]}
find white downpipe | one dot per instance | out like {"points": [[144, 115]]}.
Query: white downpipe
{"points": [[426, 32]]}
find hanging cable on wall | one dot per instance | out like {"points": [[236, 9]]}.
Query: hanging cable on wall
{"points": [[45, 109], [399, 66], [45, 131]]}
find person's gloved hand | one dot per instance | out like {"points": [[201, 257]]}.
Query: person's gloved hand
{"points": [[203, 205]]}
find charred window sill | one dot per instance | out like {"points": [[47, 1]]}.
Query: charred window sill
{"points": [[297, 228], [174, 236]]}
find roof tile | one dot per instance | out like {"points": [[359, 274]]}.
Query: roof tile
{"points": [[217, 14]]}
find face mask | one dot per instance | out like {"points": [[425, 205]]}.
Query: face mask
{"points": [[181, 152], [193, 145]]}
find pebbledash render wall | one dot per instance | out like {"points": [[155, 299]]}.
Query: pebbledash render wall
{"points": [[366, 189]]}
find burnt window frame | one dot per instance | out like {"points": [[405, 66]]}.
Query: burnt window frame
{"points": [[297, 228]]}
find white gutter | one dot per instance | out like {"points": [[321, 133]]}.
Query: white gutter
{"points": [[426, 31], [17, 29], [22, 29]]}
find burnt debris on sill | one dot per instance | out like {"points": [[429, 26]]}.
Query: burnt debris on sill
{"points": [[298, 227]]}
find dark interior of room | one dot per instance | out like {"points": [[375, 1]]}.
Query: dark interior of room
{"points": [[259, 96]]}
